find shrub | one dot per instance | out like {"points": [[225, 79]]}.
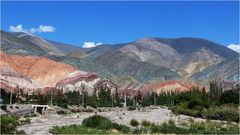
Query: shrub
{"points": [[101, 122], [196, 128], [190, 112], [134, 123], [32, 115], [61, 112], [213, 128], [119, 127], [97, 121], [131, 108], [9, 124], [25, 121], [193, 103], [146, 123], [230, 96], [221, 114], [4, 107], [21, 132], [82, 110], [198, 108], [191, 95], [140, 130], [76, 129], [169, 127]]}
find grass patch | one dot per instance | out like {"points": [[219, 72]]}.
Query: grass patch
{"points": [[93, 125], [76, 129], [101, 122], [194, 128], [134, 123], [221, 113], [146, 123]]}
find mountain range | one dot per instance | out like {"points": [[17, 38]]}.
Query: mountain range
{"points": [[139, 62]]}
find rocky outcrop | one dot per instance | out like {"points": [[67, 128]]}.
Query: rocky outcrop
{"points": [[31, 73], [78, 81], [13, 81], [168, 86]]}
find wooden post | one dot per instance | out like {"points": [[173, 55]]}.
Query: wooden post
{"points": [[125, 100], [51, 97], [83, 88], [112, 100], [155, 101], [11, 98]]}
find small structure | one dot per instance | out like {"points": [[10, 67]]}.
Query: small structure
{"points": [[44, 108]]}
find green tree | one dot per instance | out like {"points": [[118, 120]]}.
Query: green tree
{"points": [[9, 124], [104, 97], [117, 100], [148, 99], [6, 97], [230, 96], [215, 91]]}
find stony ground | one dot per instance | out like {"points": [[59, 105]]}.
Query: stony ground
{"points": [[41, 125]]}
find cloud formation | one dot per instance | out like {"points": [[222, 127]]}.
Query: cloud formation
{"points": [[41, 28], [18, 28], [234, 47], [90, 44]]}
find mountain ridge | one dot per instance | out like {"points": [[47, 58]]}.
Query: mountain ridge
{"points": [[153, 58]]}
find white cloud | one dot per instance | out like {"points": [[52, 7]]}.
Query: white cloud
{"points": [[234, 47], [46, 28], [90, 44], [41, 28], [18, 28]]}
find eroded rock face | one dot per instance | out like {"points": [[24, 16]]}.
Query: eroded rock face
{"points": [[11, 80], [169, 86], [39, 73], [45, 72], [78, 81]]}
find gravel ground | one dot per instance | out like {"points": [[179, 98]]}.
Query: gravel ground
{"points": [[41, 125]]}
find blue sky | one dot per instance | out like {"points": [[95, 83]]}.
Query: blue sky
{"points": [[119, 22]]}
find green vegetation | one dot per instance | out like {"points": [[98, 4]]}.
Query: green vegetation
{"points": [[93, 125], [76, 129], [25, 121], [131, 108], [228, 112], [101, 122], [9, 125], [61, 112], [104, 99], [168, 127], [101, 125], [30, 115], [82, 110], [97, 121], [195, 128], [212, 105], [6, 97], [230, 96], [215, 91], [165, 98], [146, 123], [134, 123]]}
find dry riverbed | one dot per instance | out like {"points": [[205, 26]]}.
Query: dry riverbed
{"points": [[42, 124]]}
